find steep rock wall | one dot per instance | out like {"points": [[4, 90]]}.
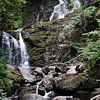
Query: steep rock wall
{"points": [[39, 10]]}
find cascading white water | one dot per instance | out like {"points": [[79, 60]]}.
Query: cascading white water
{"points": [[16, 50], [6, 45], [15, 42], [24, 54], [61, 10]]}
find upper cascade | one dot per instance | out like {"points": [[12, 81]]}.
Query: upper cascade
{"points": [[15, 50], [62, 9]]}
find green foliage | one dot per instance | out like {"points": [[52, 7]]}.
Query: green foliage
{"points": [[93, 35], [2, 95], [5, 81], [76, 45], [89, 12], [11, 13], [37, 43], [91, 53], [86, 20]]}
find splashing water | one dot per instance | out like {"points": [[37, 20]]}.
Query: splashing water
{"points": [[61, 10]]}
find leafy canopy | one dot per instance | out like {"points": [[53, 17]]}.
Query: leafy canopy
{"points": [[11, 15]]}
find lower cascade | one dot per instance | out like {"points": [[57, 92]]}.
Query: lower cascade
{"points": [[15, 50]]}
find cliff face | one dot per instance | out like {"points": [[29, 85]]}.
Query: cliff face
{"points": [[39, 10], [49, 42]]}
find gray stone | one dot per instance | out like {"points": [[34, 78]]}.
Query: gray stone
{"points": [[67, 82], [33, 97], [63, 98]]}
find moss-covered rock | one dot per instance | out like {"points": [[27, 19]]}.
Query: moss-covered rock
{"points": [[68, 83], [39, 33], [48, 42]]}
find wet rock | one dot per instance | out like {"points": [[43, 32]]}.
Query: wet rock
{"points": [[25, 72], [63, 98], [67, 82], [47, 96], [26, 90], [48, 82], [33, 97], [46, 70], [60, 98], [72, 70]]}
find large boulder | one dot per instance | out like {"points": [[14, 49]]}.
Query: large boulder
{"points": [[67, 82]]}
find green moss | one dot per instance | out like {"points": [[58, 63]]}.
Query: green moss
{"points": [[37, 42]]}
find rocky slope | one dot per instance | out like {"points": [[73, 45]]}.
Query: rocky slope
{"points": [[50, 50]]}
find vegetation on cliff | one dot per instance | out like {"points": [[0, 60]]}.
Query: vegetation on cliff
{"points": [[11, 14]]}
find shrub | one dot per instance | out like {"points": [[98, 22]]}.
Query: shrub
{"points": [[5, 81], [93, 35], [86, 20], [91, 53]]}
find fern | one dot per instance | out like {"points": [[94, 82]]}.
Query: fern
{"points": [[91, 53]]}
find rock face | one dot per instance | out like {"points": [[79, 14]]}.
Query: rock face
{"points": [[47, 42], [39, 10]]}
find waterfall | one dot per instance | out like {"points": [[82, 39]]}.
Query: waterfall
{"points": [[15, 49], [15, 60], [61, 10], [6, 45], [24, 55]]}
